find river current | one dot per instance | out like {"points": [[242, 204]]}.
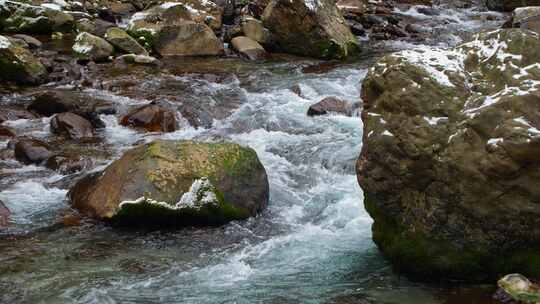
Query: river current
{"points": [[311, 245]]}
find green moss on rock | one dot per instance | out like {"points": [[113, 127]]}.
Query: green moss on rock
{"points": [[164, 172], [19, 65]]}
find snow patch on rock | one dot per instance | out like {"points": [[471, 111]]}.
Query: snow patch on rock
{"points": [[201, 194], [4, 43], [436, 62]]}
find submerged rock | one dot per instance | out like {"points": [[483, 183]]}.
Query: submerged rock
{"points": [[152, 118], [6, 132], [71, 125], [19, 65], [517, 289], [32, 151], [451, 155], [176, 183], [67, 164], [313, 28], [90, 47], [14, 113], [329, 105]]}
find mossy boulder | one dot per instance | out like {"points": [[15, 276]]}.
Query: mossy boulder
{"points": [[124, 42], [19, 65], [176, 183], [450, 157], [515, 288], [90, 47], [188, 39], [314, 28], [175, 29]]}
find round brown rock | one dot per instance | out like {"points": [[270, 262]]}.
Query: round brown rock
{"points": [[152, 118], [71, 125], [329, 105]]}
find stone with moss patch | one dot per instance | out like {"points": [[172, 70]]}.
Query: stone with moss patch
{"points": [[518, 288], [313, 28], [175, 29], [124, 42], [90, 47], [18, 64], [176, 183], [30, 19]]}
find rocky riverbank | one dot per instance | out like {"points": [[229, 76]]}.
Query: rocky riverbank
{"points": [[234, 125]]}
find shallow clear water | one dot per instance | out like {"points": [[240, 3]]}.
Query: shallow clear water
{"points": [[312, 245]]}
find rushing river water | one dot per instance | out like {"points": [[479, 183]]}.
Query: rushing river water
{"points": [[312, 245]]}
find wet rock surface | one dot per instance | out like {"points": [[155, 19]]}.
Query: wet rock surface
{"points": [[32, 151], [152, 118], [14, 113], [71, 125], [330, 105]]}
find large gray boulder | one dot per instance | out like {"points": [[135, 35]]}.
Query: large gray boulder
{"points": [[313, 28], [176, 183], [175, 29], [451, 156], [188, 39]]}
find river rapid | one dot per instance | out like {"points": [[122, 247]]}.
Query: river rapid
{"points": [[311, 245]]}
